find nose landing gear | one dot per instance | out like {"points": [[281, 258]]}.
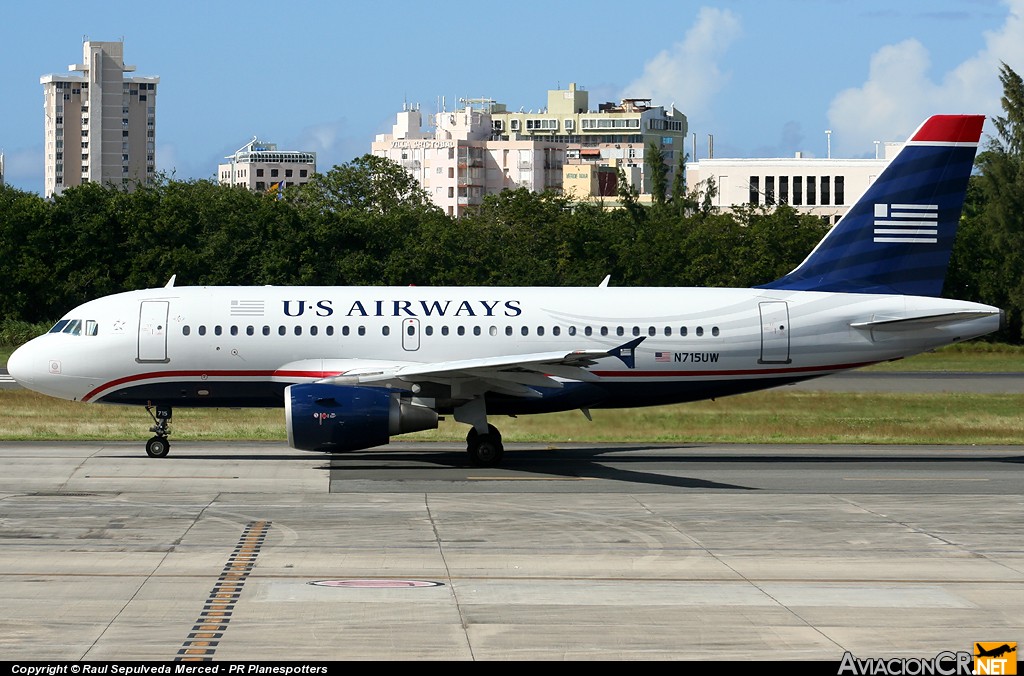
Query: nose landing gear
{"points": [[159, 446]]}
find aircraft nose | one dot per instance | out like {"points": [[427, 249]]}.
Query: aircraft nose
{"points": [[19, 365]]}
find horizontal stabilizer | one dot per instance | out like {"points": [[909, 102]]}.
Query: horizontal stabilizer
{"points": [[910, 323]]}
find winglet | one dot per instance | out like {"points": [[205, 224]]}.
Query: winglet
{"points": [[627, 352]]}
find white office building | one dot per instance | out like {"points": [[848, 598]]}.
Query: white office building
{"points": [[261, 167], [824, 187]]}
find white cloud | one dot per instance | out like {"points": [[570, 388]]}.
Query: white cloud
{"points": [[899, 94], [687, 73]]}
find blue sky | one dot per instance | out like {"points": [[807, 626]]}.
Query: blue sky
{"points": [[765, 77]]}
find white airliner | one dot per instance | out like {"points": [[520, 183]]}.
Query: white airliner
{"points": [[353, 366]]}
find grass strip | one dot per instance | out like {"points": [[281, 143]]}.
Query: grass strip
{"points": [[774, 416]]}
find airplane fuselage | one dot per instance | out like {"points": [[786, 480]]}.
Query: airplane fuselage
{"points": [[241, 346]]}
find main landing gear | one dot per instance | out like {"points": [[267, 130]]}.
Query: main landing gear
{"points": [[159, 446], [483, 443], [485, 450]]}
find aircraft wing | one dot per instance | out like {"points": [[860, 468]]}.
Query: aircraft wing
{"points": [[516, 375]]}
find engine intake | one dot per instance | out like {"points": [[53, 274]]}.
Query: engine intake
{"points": [[322, 417]]}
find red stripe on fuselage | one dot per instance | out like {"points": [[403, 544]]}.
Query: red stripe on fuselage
{"points": [[155, 375], [632, 373]]}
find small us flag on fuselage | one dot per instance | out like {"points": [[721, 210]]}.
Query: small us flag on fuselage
{"points": [[246, 308], [907, 223], [662, 356]]}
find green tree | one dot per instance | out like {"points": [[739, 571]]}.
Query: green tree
{"points": [[994, 227], [654, 163]]}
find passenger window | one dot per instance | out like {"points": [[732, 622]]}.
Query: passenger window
{"points": [[298, 330], [508, 330], [540, 330], [185, 330], [313, 330], [652, 331], [344, 330], [714, 330], [410, 330], [700, 330], [234, 330], [250, 330], [619, 331], [572, 330], [668, 330], [266, 330], [525, 331], [604, 330], [588, 331], [362, 331], [493, 330], [202, 330], [461, 330], [557, 330], [682, 330], [281, 330], [444, 330], [476, 330], [386, 330], [330, 330], [217, 330]]}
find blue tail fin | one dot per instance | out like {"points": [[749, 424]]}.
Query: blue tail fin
{"points": [[899, 235]]}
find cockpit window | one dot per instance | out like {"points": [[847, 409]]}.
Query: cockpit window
{"points": [[74, 327]]}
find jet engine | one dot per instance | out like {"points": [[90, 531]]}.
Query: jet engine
{"points": [[324, 417]]}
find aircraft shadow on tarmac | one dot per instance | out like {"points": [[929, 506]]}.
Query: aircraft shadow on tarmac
{"points": [[591, 462], [613, 463]]}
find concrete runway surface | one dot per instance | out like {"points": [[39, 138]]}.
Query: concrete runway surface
{"points": [[566, 552]]}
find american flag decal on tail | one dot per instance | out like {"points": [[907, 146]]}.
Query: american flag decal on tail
{"points": [[907, 223]]}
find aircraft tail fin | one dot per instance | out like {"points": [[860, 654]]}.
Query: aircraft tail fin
{"points": [[897, 238]]}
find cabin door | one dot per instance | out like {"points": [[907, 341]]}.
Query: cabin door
{"points": [[774, 333], [153, 330]]}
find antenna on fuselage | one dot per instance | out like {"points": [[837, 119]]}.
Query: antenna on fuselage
{"points": [[604, 282], [170, 282]]}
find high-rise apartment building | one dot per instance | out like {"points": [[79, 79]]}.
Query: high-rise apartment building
{"points": [[100, 124]]}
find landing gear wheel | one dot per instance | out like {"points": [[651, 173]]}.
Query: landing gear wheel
{"points": [[485, 450], [158, 447]]}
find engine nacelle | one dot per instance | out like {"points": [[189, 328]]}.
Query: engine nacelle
{"points": [[322, 417]]}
